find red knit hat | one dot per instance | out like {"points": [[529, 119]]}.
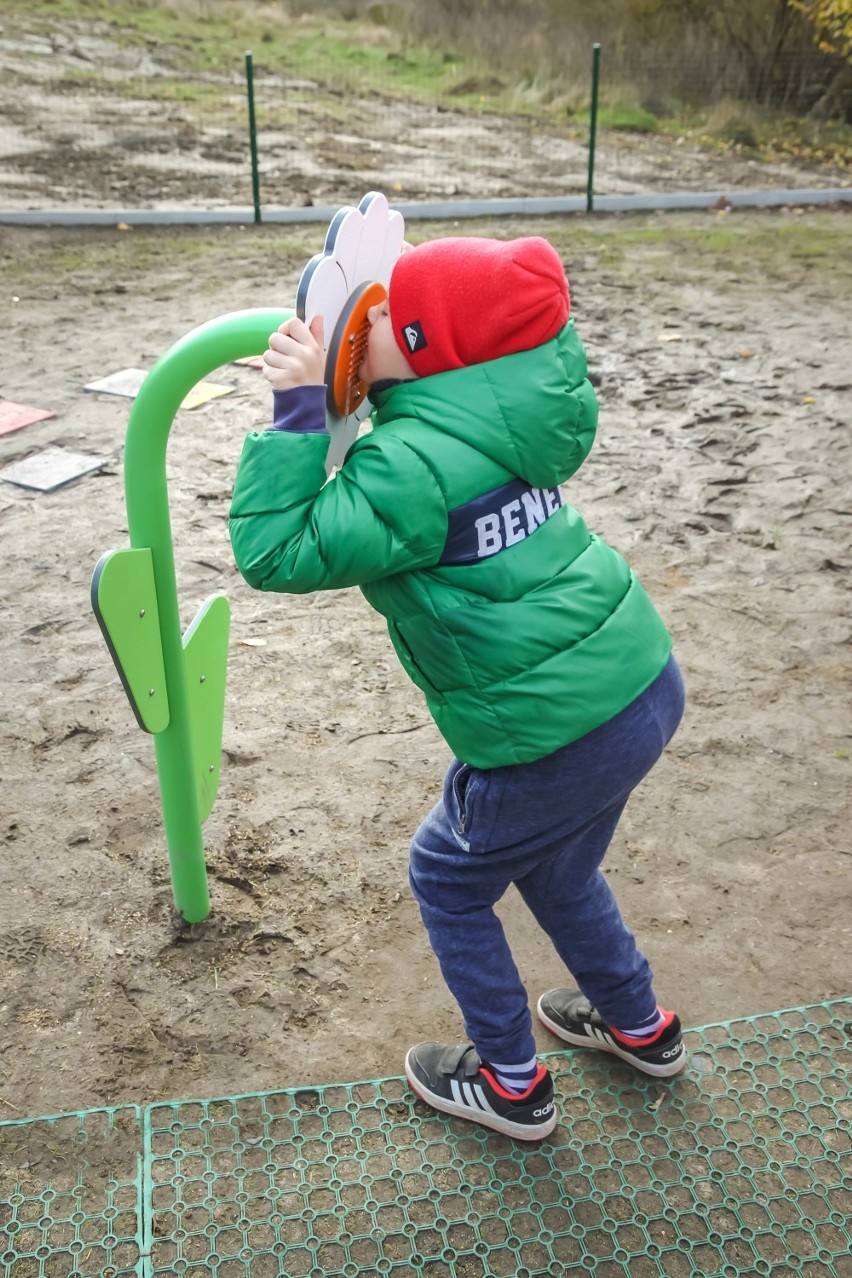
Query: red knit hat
{"points": [[464, 300]]}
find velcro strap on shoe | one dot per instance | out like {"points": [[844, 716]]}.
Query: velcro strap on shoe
{"points": [[454, 1056]]}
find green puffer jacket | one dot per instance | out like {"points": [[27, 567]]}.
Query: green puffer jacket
{"points": [[523, 629]]}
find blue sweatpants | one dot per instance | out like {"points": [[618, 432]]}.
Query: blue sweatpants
{"points": [[545, 827]]}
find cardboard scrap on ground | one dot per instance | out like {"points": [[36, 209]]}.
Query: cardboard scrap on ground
{"points": [[126, 382], [15, 416], [51, 468]]}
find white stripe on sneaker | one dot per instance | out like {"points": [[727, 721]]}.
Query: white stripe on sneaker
{"points": [[469, 1094], [476, 1096]]}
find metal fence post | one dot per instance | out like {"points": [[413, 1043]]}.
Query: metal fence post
{"points": [[593, 127], [255, 175]]}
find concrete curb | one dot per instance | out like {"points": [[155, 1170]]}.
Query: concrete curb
{"points": [[441, 209]]}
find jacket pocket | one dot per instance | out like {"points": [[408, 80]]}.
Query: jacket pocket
{"points": [[476, 807], [410, 664], [460, 780]]}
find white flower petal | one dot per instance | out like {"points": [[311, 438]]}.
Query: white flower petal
{"points": [[325, 295], [347, 241], [381, 240]]}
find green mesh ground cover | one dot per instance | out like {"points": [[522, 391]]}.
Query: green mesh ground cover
{"points": [[740, 1167], [71, 1194]]}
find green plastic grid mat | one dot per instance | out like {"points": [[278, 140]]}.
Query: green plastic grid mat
{"points": [[71, 1194], [742, 1166]]}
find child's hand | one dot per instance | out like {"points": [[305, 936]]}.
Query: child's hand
{"points": [[295, 356]]}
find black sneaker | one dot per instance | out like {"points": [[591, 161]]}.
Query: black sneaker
{"points": [[571, 1016], [455, 1081]]}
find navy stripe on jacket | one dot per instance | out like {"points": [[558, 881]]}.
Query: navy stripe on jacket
{"points": [[497, 520]]}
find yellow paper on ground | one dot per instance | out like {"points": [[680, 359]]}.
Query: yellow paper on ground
{"points": [[203, 392]]}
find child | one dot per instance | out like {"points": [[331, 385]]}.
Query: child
{"points": [[543, 662]]}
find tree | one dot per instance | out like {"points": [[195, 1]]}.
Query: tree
{"points": [[831, 25], [831, 21]]}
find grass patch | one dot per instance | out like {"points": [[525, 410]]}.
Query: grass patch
{"points": [[769, 135], [628, 119], [193, 38], [199, 46], [766, 244], [752, 245], [85, 257]]}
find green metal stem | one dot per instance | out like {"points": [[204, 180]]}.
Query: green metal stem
{"points": [[593, 127], [218, 342], [255, 173]]}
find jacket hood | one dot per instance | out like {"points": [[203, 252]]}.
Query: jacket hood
{"points": [[534, 413]]}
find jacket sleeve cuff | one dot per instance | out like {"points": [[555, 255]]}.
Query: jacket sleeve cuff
{"points": [[300, 410]]}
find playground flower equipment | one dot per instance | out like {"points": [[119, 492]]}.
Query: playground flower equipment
{"points": [[176, 682]]}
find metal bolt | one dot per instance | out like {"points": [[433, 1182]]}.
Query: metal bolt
{"points": [[212, 767], [141, 612], [203, 677], [150, 692]]}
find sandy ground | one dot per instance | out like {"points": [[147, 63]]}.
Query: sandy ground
{"points": [[722, 470]]}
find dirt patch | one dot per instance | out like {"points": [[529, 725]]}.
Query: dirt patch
{"points": [[722, 471]]}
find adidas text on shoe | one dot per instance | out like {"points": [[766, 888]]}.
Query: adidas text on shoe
{"points": [[572, 1018], [455, 1081]]}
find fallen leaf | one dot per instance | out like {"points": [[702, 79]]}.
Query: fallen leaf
{"points": [[253, 643]]}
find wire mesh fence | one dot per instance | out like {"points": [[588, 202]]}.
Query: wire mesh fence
{"points": [[86, 123]]}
